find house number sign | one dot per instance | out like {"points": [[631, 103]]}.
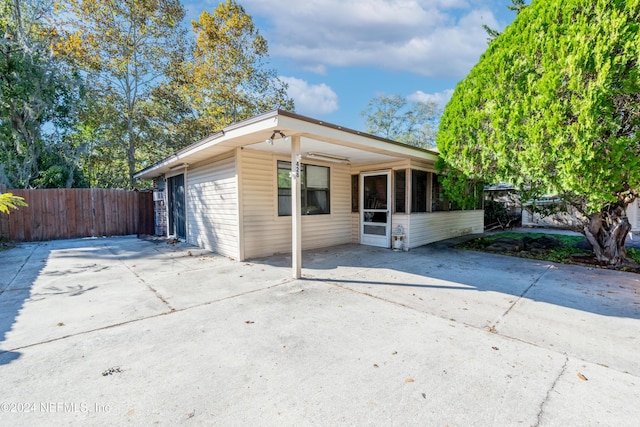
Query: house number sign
{"points": [[295, 173]]}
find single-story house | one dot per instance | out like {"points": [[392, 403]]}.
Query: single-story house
{"points": [[281, 182]]}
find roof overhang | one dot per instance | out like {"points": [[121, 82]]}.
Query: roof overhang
{"points": [[315, 137]]}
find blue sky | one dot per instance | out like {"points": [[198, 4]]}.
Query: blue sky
{"points": [[336, 55]]}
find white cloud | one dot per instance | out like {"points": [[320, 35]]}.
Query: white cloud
{"points": [[439, 98], [311, 99], [442, 38]]}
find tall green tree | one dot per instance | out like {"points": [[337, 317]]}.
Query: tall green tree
{"points": [[37, 96], [553, 106], [227, 79], [98, 137], [394, 117], [125, 47]]}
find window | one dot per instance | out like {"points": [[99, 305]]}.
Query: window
{"points": [[438, 201], [355, 193], [284, 189], [314, 182], [418, 191], [401, 191]]}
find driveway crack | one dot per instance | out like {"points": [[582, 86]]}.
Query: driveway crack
{"points": [[520, 297], [141, 319], [151, 288], [553, 386], [19, 270]]}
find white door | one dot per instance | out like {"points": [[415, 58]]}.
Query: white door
{"points": [[375, 205]]}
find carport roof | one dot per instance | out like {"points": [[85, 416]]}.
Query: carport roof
{"points": [[315, 136]]}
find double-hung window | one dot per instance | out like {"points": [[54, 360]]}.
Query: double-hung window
{"points": [[314, 183]]}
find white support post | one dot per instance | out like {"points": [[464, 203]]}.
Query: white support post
{"points": [[296, 214]]}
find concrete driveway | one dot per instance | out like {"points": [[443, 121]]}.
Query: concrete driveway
{"points": [[125, 331]]}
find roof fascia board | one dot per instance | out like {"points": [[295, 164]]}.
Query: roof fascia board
{"points": [[297, 124], [354, 139]]}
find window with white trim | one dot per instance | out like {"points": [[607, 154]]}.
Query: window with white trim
{"points": [[314, 183]]}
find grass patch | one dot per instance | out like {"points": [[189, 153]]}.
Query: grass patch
{"points": [[560, 254], [566, 240], [634, 254]]}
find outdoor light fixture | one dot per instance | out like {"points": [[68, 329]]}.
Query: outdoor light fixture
{"points": [[273, 135], [327, 157]]}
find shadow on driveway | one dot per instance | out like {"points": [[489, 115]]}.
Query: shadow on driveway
{"points": [[479, 289], [437, 267], [21, 267]]}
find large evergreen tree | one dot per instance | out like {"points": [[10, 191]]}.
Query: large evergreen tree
{"points": [[553, 106]]}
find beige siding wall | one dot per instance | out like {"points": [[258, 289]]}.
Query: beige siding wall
{"points": [[433, 226], [212, 206], [633, 212], [355, 227], [264, 232]]}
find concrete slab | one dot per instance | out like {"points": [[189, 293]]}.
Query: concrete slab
{"points": [[372, 364], [584, 312], [590, 394], [163, 334], [18, 263], [464, 287], [196, 287], [77, 287]]}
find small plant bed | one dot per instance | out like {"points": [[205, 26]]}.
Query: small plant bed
{"points": [[6, 244], [548, 247]]}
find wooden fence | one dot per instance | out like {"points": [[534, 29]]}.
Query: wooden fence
{"points": [[77, 212]]}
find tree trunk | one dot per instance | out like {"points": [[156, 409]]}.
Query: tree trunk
{"points": [[607, 231], [131, 161], [131, 147]]}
